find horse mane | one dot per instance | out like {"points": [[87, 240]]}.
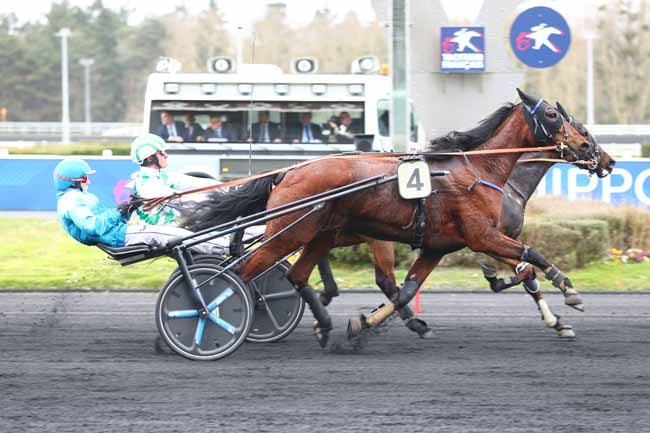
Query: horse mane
{"points": [[456, 141]]}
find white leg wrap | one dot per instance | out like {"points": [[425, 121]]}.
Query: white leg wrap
{"points": [[549, 318]]}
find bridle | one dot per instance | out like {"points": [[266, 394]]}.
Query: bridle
{"points": [[544, 130]]}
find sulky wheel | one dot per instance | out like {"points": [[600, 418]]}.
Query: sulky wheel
{"points": [[224, 329], [278, 306], [210, 259]]}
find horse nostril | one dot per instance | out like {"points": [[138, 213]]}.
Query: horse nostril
{"points": [[584, 147]]}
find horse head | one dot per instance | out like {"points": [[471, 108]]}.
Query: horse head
{"points": [[605, 162], [548, 126]]}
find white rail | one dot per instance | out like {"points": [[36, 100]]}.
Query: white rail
{"points": [[103, 129], [602, 129]]}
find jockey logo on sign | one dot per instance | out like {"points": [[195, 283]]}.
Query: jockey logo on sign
{"points": [[540, 37], [462, 49]]}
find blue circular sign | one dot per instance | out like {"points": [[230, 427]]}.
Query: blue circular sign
{"points": [[540, 37]]}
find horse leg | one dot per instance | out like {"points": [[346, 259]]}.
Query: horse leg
{"points": [[330, 288], [383, 254], [495, 243], [525, 274], [299, 277], [419, 271]]}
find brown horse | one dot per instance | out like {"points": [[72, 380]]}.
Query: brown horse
{"points": [[519, 188], [464, 209]]}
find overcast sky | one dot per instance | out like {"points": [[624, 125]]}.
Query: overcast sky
{"points": [[237, 12], [243, 12]]}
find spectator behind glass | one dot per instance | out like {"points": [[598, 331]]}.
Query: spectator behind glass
{"points": [[169, 129], [218, 131], [193, 131], [265, 131], [305, 131], [345, 129]]}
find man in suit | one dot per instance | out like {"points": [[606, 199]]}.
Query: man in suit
{"points": [[170, 130], [217, 131], [265, 131], [306, 132], [193, 131]]}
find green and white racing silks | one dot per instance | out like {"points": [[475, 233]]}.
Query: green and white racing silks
{"points": [[152, 183]]}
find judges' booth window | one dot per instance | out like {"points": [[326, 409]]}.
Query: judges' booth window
{"points": [[383, 119], [270, 122]]}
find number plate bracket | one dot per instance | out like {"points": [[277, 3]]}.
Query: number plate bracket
{"points": [[413, 179]]}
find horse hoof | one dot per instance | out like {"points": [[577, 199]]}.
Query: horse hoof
{"points": [[322, 335], [573, 299], [355, 326], [566, 333], [421, 327], [580, 307]]}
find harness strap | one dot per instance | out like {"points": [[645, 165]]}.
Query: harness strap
{"points": [[534, 109], [419, 225], [490, 185], [478, 178]]}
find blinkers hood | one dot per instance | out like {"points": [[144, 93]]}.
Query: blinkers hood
{"points": [[542, 127], [563, 112]]}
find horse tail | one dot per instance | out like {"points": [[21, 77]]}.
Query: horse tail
{"points": [[224, 206]]}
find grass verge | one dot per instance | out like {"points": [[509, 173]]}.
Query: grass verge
{"points": [[37, 253]]}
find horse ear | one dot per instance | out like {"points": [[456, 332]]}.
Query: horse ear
{"points": [[562, 111], [527, 99]]}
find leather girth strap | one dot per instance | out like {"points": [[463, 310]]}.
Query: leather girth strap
{"points": [[420, 223]]}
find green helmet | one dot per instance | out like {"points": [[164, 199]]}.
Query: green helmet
{"points": [[144, 146]]}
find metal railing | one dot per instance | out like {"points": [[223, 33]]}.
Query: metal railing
{"points": [[98, 129], [602, 129]]}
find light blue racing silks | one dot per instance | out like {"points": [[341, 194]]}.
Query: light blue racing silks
{"points": [[88, 221]]}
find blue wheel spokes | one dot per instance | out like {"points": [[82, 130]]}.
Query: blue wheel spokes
{"points": [[220, 299], [222, 324], [183, 314], [198, 335]]}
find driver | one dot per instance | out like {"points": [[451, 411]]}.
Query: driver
{"points": [[84, 218], [154, 180]]}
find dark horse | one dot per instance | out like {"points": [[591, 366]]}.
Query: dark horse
{"points": [[463, 211], [520, 187]]}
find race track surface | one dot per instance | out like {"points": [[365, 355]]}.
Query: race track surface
{"points": [[86, 362]]}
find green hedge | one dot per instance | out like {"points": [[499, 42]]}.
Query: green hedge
{"points": [[361, 255], [567, 244]]}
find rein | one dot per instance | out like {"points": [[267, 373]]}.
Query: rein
{"points": [[150, 203], [590, 164]]}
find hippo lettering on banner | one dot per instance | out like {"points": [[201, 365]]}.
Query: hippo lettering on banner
{"points": [[629, 183]]}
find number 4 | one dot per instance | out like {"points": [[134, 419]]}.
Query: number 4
{"points": [[415, 181]]}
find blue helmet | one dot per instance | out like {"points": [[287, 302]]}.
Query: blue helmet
{"points": [[69, 171]]}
